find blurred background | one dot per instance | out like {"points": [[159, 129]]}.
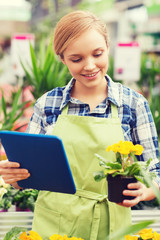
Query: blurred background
{"points": [[29, 67], [28, 63]]}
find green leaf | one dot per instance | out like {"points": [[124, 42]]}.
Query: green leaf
{"points": [[14, 232], [100, 158], [114, 165], [34, 64], [129, 230], [133, 169], [4, 106], [98, 176], [14, 105], [118, 157]]}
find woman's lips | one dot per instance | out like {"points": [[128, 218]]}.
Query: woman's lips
{"points": [[91, 75]]}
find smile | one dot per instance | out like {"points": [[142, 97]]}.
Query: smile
{"points": [[90, 75]]}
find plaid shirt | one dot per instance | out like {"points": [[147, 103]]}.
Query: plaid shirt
{"points": [[133, 110]]}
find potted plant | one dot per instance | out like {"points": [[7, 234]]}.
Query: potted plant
{"points": [[24, 200], [46, 71], [10, 114], [3, 190], [125, 168], [6, 200]]}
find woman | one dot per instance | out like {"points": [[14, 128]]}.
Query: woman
{"points": [[88, 114]]}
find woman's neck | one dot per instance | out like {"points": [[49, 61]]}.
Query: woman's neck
{"points": [[92, 96]]}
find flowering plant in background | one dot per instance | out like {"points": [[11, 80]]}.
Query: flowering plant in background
{"points": [[144, 234], [3, 187], [10, 115], [35, 236], [125, 163], [21, 233]]}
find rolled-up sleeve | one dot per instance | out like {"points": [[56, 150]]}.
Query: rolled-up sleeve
{"points": [[144, 133], [37, 121]]}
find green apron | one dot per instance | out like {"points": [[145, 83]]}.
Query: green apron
{"points": [[88, 213]]}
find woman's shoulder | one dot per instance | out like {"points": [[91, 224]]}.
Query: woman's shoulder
{"points": [[125, 96], [51, 98], [130, 97]]}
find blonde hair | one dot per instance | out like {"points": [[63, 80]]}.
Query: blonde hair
{"points": [[72, 25]]}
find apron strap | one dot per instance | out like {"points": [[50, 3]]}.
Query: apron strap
{"points": [[65, 110], [91, 195], [95, 221], [114, 111], [98, 198]]}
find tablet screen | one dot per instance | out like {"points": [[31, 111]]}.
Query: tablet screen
{"points": [[45, 158]]}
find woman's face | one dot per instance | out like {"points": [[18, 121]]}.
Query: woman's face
{"points": [[87, 59]]}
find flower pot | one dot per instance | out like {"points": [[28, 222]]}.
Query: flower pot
{"points": [[116, 185], [18, 209], [3, 210]]}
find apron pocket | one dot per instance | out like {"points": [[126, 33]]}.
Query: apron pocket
{"points": [[51, 224]]}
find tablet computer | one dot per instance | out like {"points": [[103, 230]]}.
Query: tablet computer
{"points": [[45, 158]]}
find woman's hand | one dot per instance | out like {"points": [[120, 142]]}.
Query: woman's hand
{"points": [[140, 192], [11, 172]]}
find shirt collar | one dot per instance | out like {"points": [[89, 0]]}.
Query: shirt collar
{"points": [[67, 93], [113, 92]]}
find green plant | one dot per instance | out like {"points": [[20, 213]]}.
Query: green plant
{"points": [[6, 200], [46, 71], [13, 233], [150, 67], [155, 109], [9, 115], [25, 198], [3, 188]]}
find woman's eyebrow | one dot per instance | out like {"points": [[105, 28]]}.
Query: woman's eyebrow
{"points": [[74, 55], [78, 54]]}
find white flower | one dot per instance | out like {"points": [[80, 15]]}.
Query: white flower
{"points": [[2, 192], [3, 187]]}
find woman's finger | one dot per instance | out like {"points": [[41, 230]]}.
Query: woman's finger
{"points": [[13, 179], [5, 171], [8, 164]]}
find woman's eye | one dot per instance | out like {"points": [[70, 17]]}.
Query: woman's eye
{"points": [[98, 54], [76, 60]]}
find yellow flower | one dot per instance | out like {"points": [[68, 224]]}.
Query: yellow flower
{"points": [[146, 234], [156, 236], [138, 149], [114, 148], [32, 236], [128, 237], [57, 237], [23, 236], [125, 148]]}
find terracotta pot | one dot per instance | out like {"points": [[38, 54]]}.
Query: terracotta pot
{"points": [[116, 185]]}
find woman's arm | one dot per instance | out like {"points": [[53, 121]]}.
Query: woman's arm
{"points": [[144, 133]]}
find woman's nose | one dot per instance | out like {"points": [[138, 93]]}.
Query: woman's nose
{"points": [[89, 65]]}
